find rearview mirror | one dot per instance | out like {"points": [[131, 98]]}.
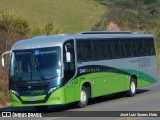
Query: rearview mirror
{"points": [[68, 57], [68, 54], [2, 62]]}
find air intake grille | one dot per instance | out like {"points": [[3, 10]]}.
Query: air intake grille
{"points": [[106, 32], [29, 88]]}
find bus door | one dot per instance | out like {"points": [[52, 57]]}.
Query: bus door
{"points": [[69, 70]]}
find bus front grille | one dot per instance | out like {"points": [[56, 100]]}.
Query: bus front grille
{"points": [[32, 90]]}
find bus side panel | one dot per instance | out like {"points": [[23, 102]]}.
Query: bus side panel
{"points": [[79, 82], [73, 89], [127, 82], [70, 91], [102, 83], [143, 77], [115, 83], [99, 83]]}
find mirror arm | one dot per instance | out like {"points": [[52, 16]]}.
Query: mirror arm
{"points": [[2, 56], [7, 52], [65, 48]]}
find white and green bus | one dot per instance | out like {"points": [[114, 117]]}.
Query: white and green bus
{"points": [[63, 68]]}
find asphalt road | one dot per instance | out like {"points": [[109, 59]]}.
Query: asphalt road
{"points": [[146, 99]]}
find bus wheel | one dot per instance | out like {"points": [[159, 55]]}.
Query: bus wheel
{"points": [[41, 108], [83, 98], [132, 88]]}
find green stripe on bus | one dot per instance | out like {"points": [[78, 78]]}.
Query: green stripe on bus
{"points": [[141, 75]]}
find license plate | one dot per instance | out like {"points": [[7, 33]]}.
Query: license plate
{"points": [[32, 99]]}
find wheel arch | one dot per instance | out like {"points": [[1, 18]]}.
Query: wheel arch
{"points": [[87, 85], [135, 78]]}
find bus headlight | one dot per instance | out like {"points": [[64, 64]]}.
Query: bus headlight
{"points": [[53, 89], [14, 92]]}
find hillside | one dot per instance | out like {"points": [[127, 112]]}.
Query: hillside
{"points": [[138, 15], [20, 19], [133, 15], [72, 15]]}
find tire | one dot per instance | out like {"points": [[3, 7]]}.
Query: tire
{"points": [[132, 88], [41, 108], [83, 98]]}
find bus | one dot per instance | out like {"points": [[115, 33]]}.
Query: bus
{"points": [[64, 68]]}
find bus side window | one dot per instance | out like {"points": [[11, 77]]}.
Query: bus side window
{"points": [[128, 48], [134, 45], [95, 50], [80, 53], [109, 48], [149, 47], [87, 48], [140, 47], [152, 49], [69, 67], [102, 49], [122, 46], [116, 49]]}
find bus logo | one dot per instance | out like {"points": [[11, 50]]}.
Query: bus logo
{"points": [[37, 52], [82, 71], [29, 87]]}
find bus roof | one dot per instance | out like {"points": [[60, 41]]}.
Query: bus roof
{"points": [[42, 41], [59, 39], [106, 34]]}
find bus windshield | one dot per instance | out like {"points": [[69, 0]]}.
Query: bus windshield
{"points": [[35, 65]]}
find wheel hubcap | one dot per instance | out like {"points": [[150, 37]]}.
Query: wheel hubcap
{"points": [[83, 97], [133, 88]]}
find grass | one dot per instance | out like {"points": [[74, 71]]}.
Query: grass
{"points": [[0, 95], [72, 15], [140, 16], [38, 17]]}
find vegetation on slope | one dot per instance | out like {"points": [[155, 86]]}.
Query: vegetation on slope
{"points": [[44, 17], [71, 15], [133, 15], [39, 17]]}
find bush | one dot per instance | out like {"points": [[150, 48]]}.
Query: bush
{"points": [[45, 29], [9, 21], [141, 16], [12, 29]]}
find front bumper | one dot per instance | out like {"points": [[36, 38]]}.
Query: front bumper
{"points": [[56, 98]]}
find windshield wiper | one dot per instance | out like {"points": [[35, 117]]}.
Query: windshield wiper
{"points": [[39, 69], [52, 77]]}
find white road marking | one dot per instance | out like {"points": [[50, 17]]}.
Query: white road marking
{"points": [[53, 118], [153, 85]]}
